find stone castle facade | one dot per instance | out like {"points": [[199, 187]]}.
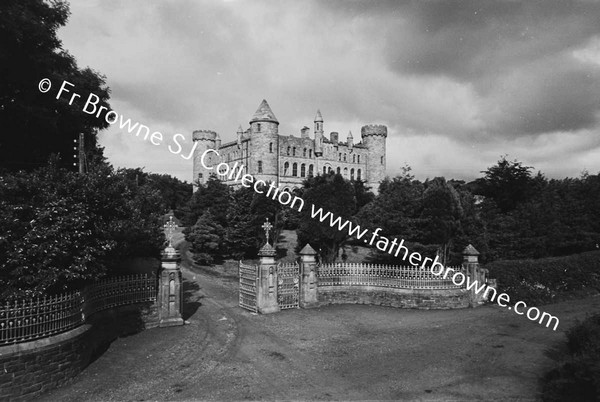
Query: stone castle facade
{"points": [[288, 160]]}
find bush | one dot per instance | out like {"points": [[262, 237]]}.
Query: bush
{"points": [[577, 377], [547, 280]]}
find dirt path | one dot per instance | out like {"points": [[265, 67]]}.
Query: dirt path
{"points": [[336, 352]]}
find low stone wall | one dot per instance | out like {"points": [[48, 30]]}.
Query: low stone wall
{"points": [[404, 298], [31, 368]]}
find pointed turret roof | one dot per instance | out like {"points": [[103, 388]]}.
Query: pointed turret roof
{"points": [[350, 134], [318, 117], [264, 113], [240, 130], [470, 250]]}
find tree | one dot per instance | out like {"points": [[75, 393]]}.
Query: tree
{"points": [[206, 238], [213, 196], [507, 184], [335, 195], [37, 124], [59, 229]]}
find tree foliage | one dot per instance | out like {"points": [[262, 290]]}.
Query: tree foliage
{"points": [[59, 229], [37, 123]]}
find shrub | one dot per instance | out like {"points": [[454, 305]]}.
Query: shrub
{"points": [[547, 280], [577, 377]]}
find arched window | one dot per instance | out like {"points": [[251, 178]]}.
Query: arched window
{"points": [[310, 170], [340, 157], [295, 169], [288, 150], [330, 169], [354, 158], [324, 169], [344, 157], [351, 174], [294, 151], [338, 170], [382, 160], [345, 173], [271, 147], [310, 153], [358, 174], [258, 127], [259, 166], [286, 168], [304, 153], [358, 157], [303, 170]]}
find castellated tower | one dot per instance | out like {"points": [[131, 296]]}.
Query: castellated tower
{"points": [[264, 144], [374, 138], [206, 139]]}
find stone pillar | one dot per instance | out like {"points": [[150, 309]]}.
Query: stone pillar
{"points": [[474, 272], [308, 278], [169, 298], [266, 290]]}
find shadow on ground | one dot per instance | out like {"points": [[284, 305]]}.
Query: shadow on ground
{"points": [[191, 300]]}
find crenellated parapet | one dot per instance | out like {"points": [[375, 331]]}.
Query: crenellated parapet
{"points": [[373, 130]]}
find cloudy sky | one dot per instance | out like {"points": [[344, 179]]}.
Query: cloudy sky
{"points": [[457, 83]]}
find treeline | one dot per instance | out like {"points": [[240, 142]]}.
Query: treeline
{"points": [[508, 213]]}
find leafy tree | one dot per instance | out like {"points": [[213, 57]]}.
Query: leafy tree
{"points": [[214, 196], [37, 123], [507, 184], [206, 238], [335, 195], [59, 229]]}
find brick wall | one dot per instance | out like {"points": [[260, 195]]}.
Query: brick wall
{"points": [[404, 298], [31, 368]]}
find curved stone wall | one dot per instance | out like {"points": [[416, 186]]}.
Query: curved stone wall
{"points": [[403, 298]]}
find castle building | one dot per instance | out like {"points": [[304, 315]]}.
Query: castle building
{"points": [[288, 160]]}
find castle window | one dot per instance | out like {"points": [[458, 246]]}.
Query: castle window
{"points": [[339, 170], [310, 153], [295, 169], [258, 127], [358, 157], [303, 170], [260, 167], [288, 150], [286, 168], [340, 157], [324, 169], [354, 158], [330, 169], [345, 173], [199, 175], [344, 157], [382, 160], [271, 147], [310, 170], [358, 174], [304, 153], [351, 174], [294, 151]]}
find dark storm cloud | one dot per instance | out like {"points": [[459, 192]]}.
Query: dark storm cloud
{"points": [[486, 44]]}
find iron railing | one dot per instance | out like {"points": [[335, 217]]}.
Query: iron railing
{"points": [[28, 320], [358, 274]]}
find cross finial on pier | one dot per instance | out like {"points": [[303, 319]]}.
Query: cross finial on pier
{"points": [[170, 228], [267, 227]]}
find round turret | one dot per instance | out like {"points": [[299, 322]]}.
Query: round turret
{"points": [[204, 140], [264, 144], [374, 138]]}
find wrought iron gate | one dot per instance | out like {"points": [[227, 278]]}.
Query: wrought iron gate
{"points": [[248, 278], [288, 289]]}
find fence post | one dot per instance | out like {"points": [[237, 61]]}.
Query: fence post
{"points": [[266, 291], [308, 281], [169, 298], [474, 271]]}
